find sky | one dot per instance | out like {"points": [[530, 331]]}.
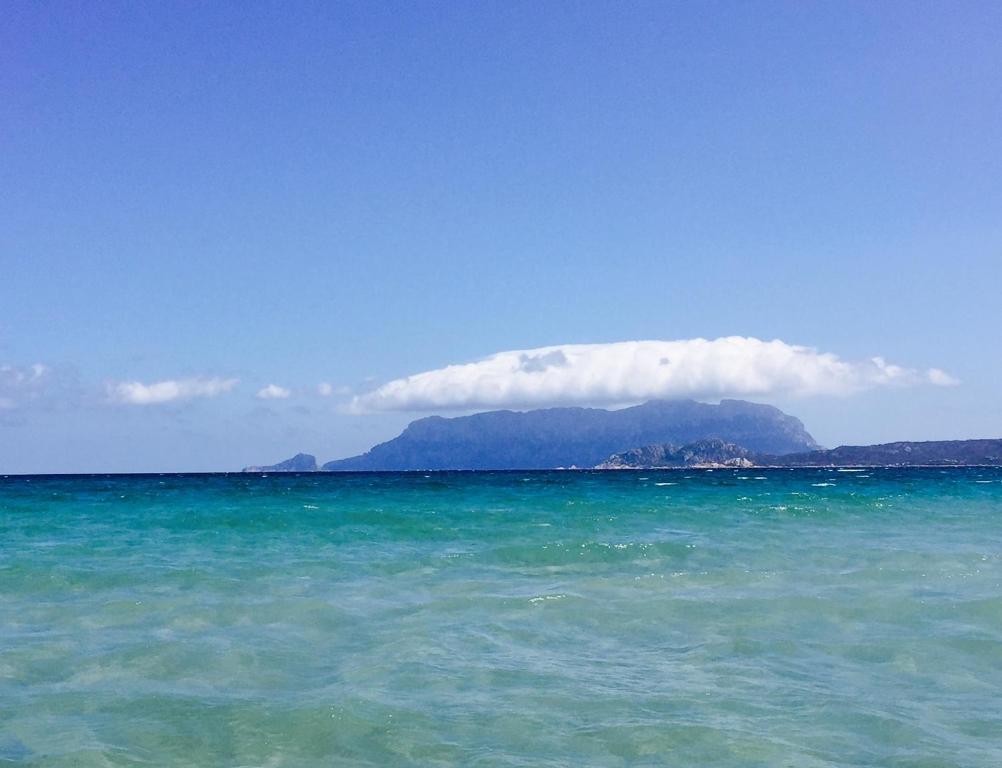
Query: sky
{"points": [[230, 232]]}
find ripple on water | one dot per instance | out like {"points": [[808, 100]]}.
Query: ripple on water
{"points": [[502, 619]]}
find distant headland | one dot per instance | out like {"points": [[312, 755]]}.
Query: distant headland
{"points": [[659, 433], [718, 453]]}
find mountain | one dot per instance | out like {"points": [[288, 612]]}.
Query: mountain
{"points": [[934, 453], [582, 437], [301, 462], [702, 453], [944, 453]]}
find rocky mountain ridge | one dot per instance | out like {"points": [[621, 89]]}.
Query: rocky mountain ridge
{"points": [[716, 453], [577, 437], [702, 453]]}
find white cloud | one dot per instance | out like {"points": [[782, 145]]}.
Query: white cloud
{"points": [[324, 389], [137, 393], [19, 383], [36, 385], [273, 392], [941, 378], [633, 371]]}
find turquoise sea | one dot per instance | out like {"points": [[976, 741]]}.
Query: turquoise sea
{"points": [[800, 618]]}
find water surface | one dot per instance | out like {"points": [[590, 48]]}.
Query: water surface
{"points": [[713, 618]]}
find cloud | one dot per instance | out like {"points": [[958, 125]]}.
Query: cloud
{"points": [[22, 384], [325, 389], [941, 378], [273, 392], [634, 371], [137, 393], [37, 386]]}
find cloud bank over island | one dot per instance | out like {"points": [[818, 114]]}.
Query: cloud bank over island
{"points": [[633, 371], [170, 390]]}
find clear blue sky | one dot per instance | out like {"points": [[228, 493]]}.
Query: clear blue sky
{"points": [[296, 193]]}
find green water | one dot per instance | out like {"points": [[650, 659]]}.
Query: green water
{"points": [[729, 618]]}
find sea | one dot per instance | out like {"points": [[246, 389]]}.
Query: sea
{"points": [[808, 618]]}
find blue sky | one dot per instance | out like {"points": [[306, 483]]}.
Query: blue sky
{"points": [[232, 196]]}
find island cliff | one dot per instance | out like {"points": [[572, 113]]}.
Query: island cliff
{"points": [[301, 462], [577, 437]]}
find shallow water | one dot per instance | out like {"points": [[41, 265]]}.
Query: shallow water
{"points": [[727, 618]]}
